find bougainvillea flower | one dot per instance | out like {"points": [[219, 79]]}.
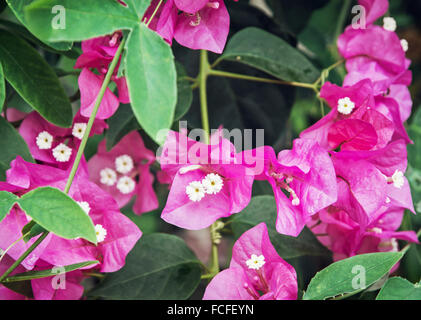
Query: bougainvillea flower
{"points": [[98, 54], [205, 29], [256, 272], [303, 182], [124, 172], [54, 145], [201, 24], [208, 182], [345, 237], [358, 120], [115, 232], [374, 9]]}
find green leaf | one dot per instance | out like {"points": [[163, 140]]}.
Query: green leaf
{"points": [[121, 123], [152, 81], [271, 54], [339, 277], [17, 7], [39, 274], [57, 212], [184, 93], [2, 88], [160, 267], [397, 288], [83, 19], [34, 80], [7, 200], [11, 144], [263, 209], [31, 230]]}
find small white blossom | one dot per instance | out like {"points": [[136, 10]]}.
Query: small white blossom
{"points": [[405, 45], [195, 191], [126, 185], [108, 177], [212, 183], [85, 206], [79, 130], [124, 164], [345, 105], [389, 24], [101, 233], [44, 140], [62, 153], [398, 179], [255, 262]]}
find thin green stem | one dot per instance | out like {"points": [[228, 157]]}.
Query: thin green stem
{"points": [[342, 17], [218, 73], [203, 75], [12, 245], [23, 256], [79, 154], [204, 71], [154, 13], [104, 87]]}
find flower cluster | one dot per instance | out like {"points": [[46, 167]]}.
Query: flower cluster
{"points": [[116, 234], [124, 171], [366, 139], [53, 145], [256, 272]]}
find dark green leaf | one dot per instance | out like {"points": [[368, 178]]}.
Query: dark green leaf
{"points": [[271, 54], [34, 80], [152, 81], [39, 274], [263, 209], [11, 144], [58, 213], [23, 287], [7, 200], [159, 267], [339, 277], [397, 288]]}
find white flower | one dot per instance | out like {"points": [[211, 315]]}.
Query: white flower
{"points": [[195, 191], [255, 262], [85, 206], [389, 24], [398, 179], [345, 105], [212, 183], [62, 153], [126, 185], [124, 164], [101, 233], [295, 201], [405, 45], [108, 176], [79, 130], [44, 140]]}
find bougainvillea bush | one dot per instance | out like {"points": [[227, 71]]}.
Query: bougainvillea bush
{"points": [[210, 149]]}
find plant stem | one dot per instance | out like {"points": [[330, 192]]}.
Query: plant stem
{"points": [[204, 71], [79, 154], [93, 114], [154, 13], [219, 73], [203, 75], [23, 256]]}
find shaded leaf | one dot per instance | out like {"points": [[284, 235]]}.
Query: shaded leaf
{"points": [[397, 288]]}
